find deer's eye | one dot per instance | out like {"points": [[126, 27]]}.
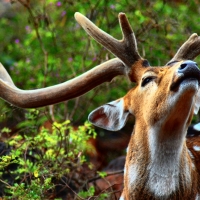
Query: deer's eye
{"points": [[147, 80]]}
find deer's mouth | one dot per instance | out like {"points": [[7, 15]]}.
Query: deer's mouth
{"points": [[187, 77], [175, 85]]}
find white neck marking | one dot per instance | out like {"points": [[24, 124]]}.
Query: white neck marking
{"points": [[164, 166]]}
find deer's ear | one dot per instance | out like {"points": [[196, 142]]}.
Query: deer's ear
{"points": [[197, 103], [111, 116]]}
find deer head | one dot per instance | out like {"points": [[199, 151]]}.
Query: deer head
{"points": [[163, 103], [161, 93]]}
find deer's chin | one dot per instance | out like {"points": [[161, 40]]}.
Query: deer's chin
{"points": [[189, 84]]}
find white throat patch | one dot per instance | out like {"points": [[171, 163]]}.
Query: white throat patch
{"points": [[164, 166]]}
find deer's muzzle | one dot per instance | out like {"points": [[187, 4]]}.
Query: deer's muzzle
{"points": [[188, 70]]}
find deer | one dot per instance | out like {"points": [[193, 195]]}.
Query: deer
{"points": [[160, 162]]}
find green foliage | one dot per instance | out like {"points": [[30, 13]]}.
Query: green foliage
{"points": [[90, 192], [102, 174], [48, 155], [35, 190]]}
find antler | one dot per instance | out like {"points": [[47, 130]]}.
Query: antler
{"points": [[61, 92], [189, 50], [125, 50]]}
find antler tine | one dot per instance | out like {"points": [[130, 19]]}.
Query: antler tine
{"points": [[125, 49], [189, 50], [129, 40]]}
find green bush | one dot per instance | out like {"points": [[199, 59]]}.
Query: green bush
{"points": [[46, 157]]}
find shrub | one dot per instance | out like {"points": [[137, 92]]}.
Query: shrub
{"points": [[47, 162]]}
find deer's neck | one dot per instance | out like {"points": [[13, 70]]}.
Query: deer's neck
{"points": [[167, 162], [158, 166]]}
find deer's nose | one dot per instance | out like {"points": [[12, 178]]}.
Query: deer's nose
{"points": [[187, 66]]}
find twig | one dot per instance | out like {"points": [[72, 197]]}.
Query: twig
{"points": [[35, 24], [72, 190], [108, 174], [74, 108], [113, 192], [5, 183]]}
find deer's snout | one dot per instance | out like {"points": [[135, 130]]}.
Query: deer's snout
{"points": [[188, 67], [188, 70]]}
